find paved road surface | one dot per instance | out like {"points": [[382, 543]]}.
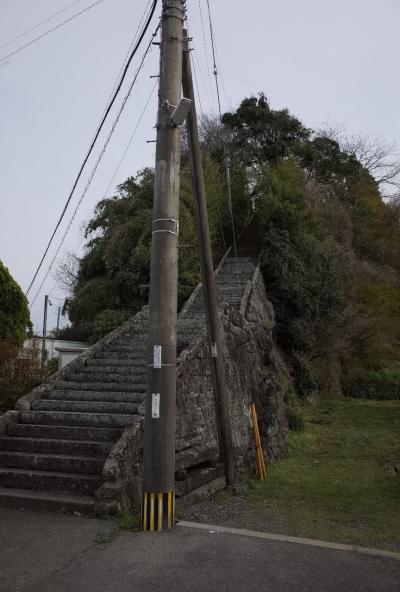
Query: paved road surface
{"points": [[42, 552]]}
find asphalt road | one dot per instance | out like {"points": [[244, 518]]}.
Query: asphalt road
{"points": [[42, 552]]}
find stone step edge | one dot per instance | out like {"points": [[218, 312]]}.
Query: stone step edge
{"points": [[67, 414], [63, 475], [43, 455], [54, 502], [33, 441], [83, 428]]}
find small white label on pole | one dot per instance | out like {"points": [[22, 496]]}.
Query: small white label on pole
{"points": [[214, 350], [157, 356], [155, 406]]}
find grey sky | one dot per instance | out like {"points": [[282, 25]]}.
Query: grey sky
{"points": [[322, 59]]}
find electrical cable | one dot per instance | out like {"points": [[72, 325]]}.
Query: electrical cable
{"points": [[226, 156], [124, 153], [100, 127], [131, 139], [46, 20], [199, 97], [114, 125], [71, 18], [206, 54], [127, 54]]}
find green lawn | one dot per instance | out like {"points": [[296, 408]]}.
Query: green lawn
{"points": [[337, 484]]}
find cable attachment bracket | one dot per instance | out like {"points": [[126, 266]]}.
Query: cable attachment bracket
{"points": [[168, 225]]}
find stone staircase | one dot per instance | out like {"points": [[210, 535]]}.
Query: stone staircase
{"points": [[53, 448]]}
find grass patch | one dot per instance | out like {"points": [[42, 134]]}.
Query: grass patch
{"points": [[128, 521], [338, 482]]}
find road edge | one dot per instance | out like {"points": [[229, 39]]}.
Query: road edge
{"points": [[290, 539]]}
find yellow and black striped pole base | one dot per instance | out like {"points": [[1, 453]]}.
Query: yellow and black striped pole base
{"points": [[158, 511]]}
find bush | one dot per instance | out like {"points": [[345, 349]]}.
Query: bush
{"points": [[303, 267], [14, 312], [18, 375], [294, 412], [374, 384], [304, 378], [106, 321], [51, 366], [295, 418]]}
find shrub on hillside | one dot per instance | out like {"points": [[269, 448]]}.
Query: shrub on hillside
{"points": [[303, 375], [14, 311], [106, 321], [294, 411], [373, 384], [18, 375]]}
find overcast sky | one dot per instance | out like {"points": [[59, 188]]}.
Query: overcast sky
{"points": [[322, 59]]}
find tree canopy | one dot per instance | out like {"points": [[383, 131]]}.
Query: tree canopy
{"points": [[14, 311], [330, 249]]}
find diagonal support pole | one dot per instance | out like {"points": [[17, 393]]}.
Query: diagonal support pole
{"points": [[214, 328]]}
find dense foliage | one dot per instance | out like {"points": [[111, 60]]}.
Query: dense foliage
{"points": [[330, 249], [17, 374], [113, 276], [14, 312]]}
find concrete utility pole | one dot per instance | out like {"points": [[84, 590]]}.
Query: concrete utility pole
{"points": [[159, 439], [44, 352], [58, 321], [214, 328]]}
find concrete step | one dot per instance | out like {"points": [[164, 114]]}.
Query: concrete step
{"points": [[128, 349], [105, 377], [109, 354], [49, 481], [123, 369], [115, 362], [231, 269], [59, 432], [114, 387], [56, 502], [231, 285], [51, 462], [50, 445], [191, 325], [230, 289], [197, 478], [84, 406], [136, 342], [235, 302], [61, 418], [107, 397]]}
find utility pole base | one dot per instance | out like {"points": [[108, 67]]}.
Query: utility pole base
{"points": [[158, 511]]}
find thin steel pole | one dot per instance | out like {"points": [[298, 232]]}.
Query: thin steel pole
{"points": [[46, 300]]}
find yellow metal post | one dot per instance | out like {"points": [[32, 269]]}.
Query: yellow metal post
{"points": [[262, 473]]}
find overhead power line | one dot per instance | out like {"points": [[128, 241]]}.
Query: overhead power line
{"points": [[71, 18], [128, 53], [130, 139], [46, 20], [99, 159], [206, 54], [100, 127], [75, 251], [226, 156]]}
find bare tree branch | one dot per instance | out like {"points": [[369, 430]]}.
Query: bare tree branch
{"points": [[66, 272], [380, 158]]}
